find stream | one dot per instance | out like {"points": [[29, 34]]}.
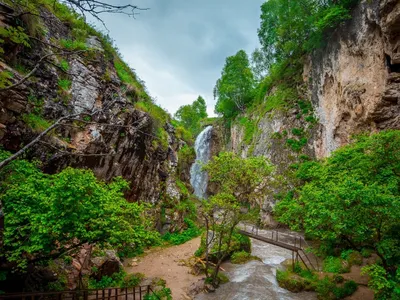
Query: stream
{"points": [[255, 279]]}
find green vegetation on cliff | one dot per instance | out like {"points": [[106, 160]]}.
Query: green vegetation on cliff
{"points": [[351, 201], [46, 215]]}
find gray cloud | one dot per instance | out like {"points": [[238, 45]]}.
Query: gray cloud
{"points": [[178, 47]]}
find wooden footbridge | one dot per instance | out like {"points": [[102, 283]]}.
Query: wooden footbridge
{"points": [[295, 243]]}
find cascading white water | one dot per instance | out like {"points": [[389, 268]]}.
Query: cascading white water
{"points": [[199, 178]]}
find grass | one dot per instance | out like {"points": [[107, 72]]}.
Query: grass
{"points": [[64, 84], [249, 129], [182, 237], [129, 77], [35, 122], [242, 257], [335, 265], [64, 65], [73, 45]]}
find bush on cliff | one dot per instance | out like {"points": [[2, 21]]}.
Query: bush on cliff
{"points": [[45, 215], [358, 180]]}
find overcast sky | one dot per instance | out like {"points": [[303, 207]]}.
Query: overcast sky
{"points": [[178, 47]]}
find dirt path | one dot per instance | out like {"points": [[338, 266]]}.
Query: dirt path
{"points": [[165, 263]]}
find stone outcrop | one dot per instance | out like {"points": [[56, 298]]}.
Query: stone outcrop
{"points": [[355, 80], [120, 140], [353, 84]]}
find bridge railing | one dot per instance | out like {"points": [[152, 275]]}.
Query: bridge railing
{"points": [[276, 235], [297, 241], [134, 293]]}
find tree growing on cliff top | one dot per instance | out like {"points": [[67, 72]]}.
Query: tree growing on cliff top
{"points": [[234, 90], [190, 115]]}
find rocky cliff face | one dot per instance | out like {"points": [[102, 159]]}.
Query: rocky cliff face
{"points": [[355, 81], [111, 136], [353, 85]]}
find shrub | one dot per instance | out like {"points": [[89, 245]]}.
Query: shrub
{"points": [[37, 123], [64, 84], [191, 232], [73, 45], [366, 252], [132, 280], [335, 265], [290, 281], [242, 257], [64, 65], [249, 129]]}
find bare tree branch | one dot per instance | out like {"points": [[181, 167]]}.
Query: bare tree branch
{"points": [[36, 67]]}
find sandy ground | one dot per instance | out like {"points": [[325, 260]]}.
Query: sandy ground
{"points": [[165, 263]]}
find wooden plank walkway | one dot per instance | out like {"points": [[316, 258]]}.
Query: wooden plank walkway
{"points": [[296, 244], [270, 241]]}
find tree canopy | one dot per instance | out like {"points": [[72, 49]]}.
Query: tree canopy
{"points": [[352, 198], [234, 90], [45, 215], [190, 115]]}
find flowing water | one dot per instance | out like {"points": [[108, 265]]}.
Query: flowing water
{"points": [[256, 280], [198, 178]]}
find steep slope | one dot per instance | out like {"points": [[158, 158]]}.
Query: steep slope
{"points": [[352, 85], [112, 125]]}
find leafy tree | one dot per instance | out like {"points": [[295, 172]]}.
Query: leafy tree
{"points": [[46, 215], [190, 115], [352, 198], [234, 90], [241, 182], [247, 180], [289, 28]]}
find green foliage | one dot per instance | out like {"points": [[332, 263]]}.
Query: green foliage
{"points": [[297, 144], [47, 214], [335, 265], [182, 133], [129, 77], [234, 90], [64, 65], [385, 285], [186, 156], [64, 84], [132, 280], [163, 294], [160, 118], [73, 45], [243, 179], [178, 238], [36, 122], [287, 26], [189, 116], [242, 257], [358, 180], [5, 77], [15, 35], [249, 129], [366, 252], [292, 283]]}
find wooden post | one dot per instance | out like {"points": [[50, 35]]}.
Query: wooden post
{"points": [[293, 260]]}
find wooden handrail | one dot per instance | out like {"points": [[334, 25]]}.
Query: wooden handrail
{"points": [[98, 294]]}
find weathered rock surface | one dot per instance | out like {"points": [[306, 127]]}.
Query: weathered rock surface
{"points": [[353, 84], [118, 141]]}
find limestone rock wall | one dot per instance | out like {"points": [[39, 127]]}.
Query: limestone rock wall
{"points": [[354, 81]]}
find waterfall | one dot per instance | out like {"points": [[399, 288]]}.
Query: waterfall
{"points": [[198, 178]]}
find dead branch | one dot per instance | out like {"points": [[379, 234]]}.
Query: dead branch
{"points": [[36, 67]]}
